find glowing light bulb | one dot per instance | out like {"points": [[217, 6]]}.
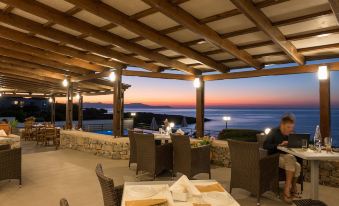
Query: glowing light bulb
{"points": [[322, 73], [196, 83], [267, 131], [112, 76], [65, 83]]}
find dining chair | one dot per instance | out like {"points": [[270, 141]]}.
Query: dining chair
{"points": [[251, 172], [49, 135], [133, 147], [153, 158], [112, 195], [10, 163], [28, 133], [64, 202], [187, 160]]}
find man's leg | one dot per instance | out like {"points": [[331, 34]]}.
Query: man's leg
{"points": [[287, 162], [296, 176]]}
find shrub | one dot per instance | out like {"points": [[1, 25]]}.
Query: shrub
{"points": [[247, 135]]}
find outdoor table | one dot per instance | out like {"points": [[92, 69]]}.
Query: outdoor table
{"points": [[164, 184], [314, 158]]}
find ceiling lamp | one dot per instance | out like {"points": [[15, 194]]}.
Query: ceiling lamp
{"points": [[196, 83], [322, 73], [65, 83], [112, 76]]}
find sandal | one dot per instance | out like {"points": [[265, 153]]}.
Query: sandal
{"points": [[287, 199], [296, 195]]}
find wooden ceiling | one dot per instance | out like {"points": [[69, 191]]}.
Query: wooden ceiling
{"points": [[42, 41]]}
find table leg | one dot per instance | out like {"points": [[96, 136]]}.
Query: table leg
{"points": [[314, 179]]}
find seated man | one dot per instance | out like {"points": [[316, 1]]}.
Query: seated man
{"points": [[279, 137]]}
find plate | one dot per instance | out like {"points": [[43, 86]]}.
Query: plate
{"points": [[142, 191], [217, 198]]}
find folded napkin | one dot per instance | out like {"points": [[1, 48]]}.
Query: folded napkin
{"points": [[210, 188], [183, 184], [3, 133], [179, 131], [149, 202], [201, 204]]}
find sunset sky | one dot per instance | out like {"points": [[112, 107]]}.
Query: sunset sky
{"points": [[288, 90]]}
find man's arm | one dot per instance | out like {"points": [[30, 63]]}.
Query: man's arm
{"points": [[269, 143]]}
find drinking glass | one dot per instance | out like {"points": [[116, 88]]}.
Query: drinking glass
{"points": [[304, 144], [328, 144]]}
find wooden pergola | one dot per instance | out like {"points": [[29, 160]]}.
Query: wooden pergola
{"points": [[43, 42]]}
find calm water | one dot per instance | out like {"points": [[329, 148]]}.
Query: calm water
{"points": [[307, 119]]}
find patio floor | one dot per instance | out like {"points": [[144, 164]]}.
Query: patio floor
{"points": [[51, 175]]}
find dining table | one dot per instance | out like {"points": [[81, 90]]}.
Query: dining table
{"points": [[156, 190], [314, 157]]}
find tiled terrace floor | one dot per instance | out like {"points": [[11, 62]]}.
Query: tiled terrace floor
{"points": [[51, 175]]}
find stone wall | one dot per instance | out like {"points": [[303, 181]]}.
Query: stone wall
{"points": [[97, 144], [220, 153], [328, 172]]}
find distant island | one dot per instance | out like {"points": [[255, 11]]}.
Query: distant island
{"points": [[100, 105]]}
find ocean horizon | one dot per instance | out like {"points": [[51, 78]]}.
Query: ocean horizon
{"points": [[252, 118]]}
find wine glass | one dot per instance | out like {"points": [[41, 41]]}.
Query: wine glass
{"points": [[328, 144], [304, 144]]}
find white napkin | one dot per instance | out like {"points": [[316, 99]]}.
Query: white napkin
{"points": [[179, 131], [3, 133], [183, 184]]}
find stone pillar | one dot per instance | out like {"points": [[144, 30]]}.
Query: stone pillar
{"points": [[200, 109], [69, 106], [117, 129], [80, 112], [325, 107]]}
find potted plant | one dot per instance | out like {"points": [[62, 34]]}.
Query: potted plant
{"points": [[14, 124]]}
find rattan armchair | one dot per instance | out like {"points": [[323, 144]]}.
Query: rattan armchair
{"points": [[132, 147], [190, 161], [153, 158], [10, 163], [28, 133], [250, 172], [64, 202], [112, 195]]}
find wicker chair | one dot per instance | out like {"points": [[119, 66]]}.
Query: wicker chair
{"points": [[250, 172], [112, 195], [10, 163], [190, 161], [64, 202], [153, 158], [49, 135], [28, 133], [132, 147]]}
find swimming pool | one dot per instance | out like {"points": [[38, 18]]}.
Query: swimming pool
{"points": [[109, 132]]}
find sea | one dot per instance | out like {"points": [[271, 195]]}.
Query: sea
{"points": [[258, 118]]}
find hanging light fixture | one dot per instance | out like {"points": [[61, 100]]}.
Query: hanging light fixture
{"points": [[196, 83], [0, 94], [112, 76], [65, 83], [50, 100], [322, 73]]}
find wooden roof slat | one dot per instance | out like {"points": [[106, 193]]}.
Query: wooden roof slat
{"points": [[262, 22], [119, 18], [82, 65], [216, 17], [32, 26], [87, 29], [187, 20], [270, 72], [37, 60], [54, 47], [335, 8]]}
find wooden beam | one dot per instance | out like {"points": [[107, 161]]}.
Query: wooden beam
{"points": [[119, 18], [182, 17], [325, 107], [69, 106], [158, 75], [55, 47], [52, 105], [80, 112], [264, 23], [117, 130], [41, 61], [58, 17], [270, 72], [335, 8], [200, 109], [82, 65], [37, 28], [91, 76]]}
